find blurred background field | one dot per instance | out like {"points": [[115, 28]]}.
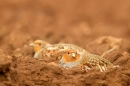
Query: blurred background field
{"points": [[73, 19]]}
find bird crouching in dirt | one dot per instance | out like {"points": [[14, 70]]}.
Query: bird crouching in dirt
{"points": [[42, 49], [87, 61], [70, 55]]}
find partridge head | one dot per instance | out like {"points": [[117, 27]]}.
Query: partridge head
{"points": [[38, 46], [70, 59]]}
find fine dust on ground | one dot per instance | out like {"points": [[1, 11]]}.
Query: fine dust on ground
{"points": [[93, 25]]}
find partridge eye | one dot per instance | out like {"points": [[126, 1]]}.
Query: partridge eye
{"points": [[68, 53]]}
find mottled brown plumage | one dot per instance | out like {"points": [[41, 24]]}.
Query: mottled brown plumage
{"points": [[85, 59], [43, 48], [71, 55]]}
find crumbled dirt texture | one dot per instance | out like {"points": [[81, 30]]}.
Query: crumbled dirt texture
{"points": [[79, 22]]}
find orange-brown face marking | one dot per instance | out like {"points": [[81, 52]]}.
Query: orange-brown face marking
{"points": [[37, 45], [71, 56]]}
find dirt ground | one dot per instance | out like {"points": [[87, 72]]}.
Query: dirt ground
{"points": [[79, 22]]}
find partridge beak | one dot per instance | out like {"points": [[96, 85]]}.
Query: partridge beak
{"points": [[73, 55], [32, 44]]}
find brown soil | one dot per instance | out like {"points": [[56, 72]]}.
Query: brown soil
{"points": [[81, 22]]}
